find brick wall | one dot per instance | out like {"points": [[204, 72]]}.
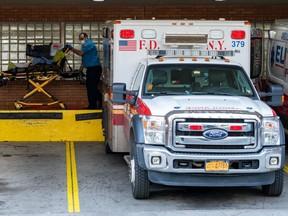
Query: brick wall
{"points": [[91, 14], [70, 92]]}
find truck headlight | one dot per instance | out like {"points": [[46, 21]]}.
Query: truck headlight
{"points": [[271, 131], [154, 130]]}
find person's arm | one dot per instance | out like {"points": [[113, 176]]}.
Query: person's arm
{"points": [[77, 52], [81, 67]]}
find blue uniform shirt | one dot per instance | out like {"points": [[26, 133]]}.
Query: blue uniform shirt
{"points": [[90, 57]]}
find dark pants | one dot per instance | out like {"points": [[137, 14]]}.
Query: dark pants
{"points": [[92, 79]]}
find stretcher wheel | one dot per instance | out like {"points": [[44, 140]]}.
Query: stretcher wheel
{"points": [[62, 105], [18, 106]]}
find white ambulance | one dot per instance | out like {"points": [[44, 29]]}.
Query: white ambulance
{"points": [[178, 97], [277, 63]]}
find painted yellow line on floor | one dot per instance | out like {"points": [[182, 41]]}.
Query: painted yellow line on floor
{"points": [[285, 168], [72, 181]]}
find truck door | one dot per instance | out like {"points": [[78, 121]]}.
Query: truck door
{"points": [[135, 86]]}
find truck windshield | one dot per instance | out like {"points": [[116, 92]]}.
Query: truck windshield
{"points": [[197, 80]]}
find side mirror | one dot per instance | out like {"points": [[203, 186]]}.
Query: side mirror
{"points": [[119, 93], [274, 95]]}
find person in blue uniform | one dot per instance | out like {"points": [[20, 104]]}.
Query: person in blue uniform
{"points": [[90, 61]]}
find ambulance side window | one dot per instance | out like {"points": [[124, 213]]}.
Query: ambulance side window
{"points": [[137, 81]]}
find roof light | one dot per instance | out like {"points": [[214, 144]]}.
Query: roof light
{"points": [[191, 52], [148, 34], [272, 34], [161, 59], [207, 59], [238, 34], [127, 33], [194, 59], [216, 34], [181, 59], [227, 60], [117, 22]]}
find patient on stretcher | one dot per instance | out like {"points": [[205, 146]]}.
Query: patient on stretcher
{"points": [[45, 58], [49, 63]]}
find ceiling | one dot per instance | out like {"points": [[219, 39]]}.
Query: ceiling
{"points": [[53, 3]]}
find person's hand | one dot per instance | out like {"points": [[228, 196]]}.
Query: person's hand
{"points": [[69, 46]]}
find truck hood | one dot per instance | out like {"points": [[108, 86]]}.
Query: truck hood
{"points": [[161, 105]]}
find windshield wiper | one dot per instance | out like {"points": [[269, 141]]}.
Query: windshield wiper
{"points": [[168, 93], [189, 93], [219, 93]]}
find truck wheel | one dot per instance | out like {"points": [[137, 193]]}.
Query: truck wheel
{"points": [[139, 177], [276, 188], [108, 149]]}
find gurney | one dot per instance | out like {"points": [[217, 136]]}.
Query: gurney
{"points": [[42, 70]]}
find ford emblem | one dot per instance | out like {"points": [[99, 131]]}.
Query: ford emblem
{"points": [[215, 134]]}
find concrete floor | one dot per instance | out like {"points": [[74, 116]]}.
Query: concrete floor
{"points": [[33, 181]]}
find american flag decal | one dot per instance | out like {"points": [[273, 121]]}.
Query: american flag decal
{"points": [[127, 45]]}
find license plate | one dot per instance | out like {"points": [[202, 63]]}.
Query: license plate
{"points": [[217, 165]]}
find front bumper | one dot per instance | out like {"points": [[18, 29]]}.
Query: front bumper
{"points": [[147, 153], [166, 173], [210, 180]]}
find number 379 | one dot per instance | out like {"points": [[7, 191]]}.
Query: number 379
{"points": [[238, 44]]}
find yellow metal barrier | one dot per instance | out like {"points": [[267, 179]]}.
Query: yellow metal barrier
{"points": [[52, 125]]}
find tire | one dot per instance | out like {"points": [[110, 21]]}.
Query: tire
{"points": [[139, 177], [276, 188], [108, 149], [105, 130]]}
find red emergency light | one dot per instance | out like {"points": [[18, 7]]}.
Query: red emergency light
{"points": [[127, 33], [236, 128], [238, 34], [195, 127]]}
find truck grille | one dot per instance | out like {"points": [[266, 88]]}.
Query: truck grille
{"points": [[208, 134]]}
